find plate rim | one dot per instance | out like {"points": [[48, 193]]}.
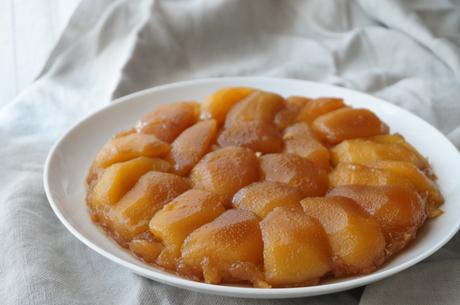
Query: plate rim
{"points": [[223, 290]]}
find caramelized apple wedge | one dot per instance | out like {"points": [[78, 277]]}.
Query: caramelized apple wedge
{"points": [[177, 219], [259, 106], [217, 105], [289, 113], [225, 171], [119, 178], [347, 123], [130, 146], [145, 249], [191, 145], [300, 141], [391, 173], [211, 251], [296, 248], [357, 242], [295, 171], [426, 187], [318, 107], [399, 211], [357, 174], [397, 138], [131, 215], [422, 162], [167, 121], [366, 151], [262, 197], [258, 136]]}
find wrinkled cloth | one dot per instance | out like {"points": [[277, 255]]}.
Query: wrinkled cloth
{"points": [[406, 52]]}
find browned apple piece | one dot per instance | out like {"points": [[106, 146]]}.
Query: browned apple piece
{"points": [[262, 197], [119, 178], [366, 151], [213, 249], [258, 106], [191, 145], [217, 105], [300, 141], [422, 162], [177, 219], [318, 107], [295, 171], [289, 113], [399, 211], [426, 187], [128, 147], [95, 171], [167, 121], [145, 249], [131, 215], [357, 174], [347, 123], [225, 171], [125, 132], [258, 136], [296, 248], [357, 242], [394, 138]]}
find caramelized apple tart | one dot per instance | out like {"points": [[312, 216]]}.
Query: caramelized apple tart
{"points": [[249, 187]]}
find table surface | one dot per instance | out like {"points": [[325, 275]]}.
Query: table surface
{"points": [[29, 29]]}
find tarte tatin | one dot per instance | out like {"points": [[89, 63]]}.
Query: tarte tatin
{"points": [[249, 187]]}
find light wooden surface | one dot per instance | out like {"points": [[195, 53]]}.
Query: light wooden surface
{"points": [[28, 31]]}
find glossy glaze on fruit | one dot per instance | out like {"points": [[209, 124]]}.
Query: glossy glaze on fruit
{"points": [[296, 248], [251, 188]]}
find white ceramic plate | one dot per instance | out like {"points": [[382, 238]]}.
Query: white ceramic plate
{"points": [[69, 160]]}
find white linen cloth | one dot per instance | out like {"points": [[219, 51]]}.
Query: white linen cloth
{"points": [[405, 52]]}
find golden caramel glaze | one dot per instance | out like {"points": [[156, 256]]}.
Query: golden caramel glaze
{"points": [[167, 121], [262, 197], [396, 173], [131, 215], [367, 150], [318, 107], [258, 106], [251, 188], [192, 145], [347, 123], [356, 239], [177, 219], [231, 238], [399, 211], [258, 136], [127, 147], [289, 113], [217, 105], [295, 171], [119, 178], [396, 138], [425, 186], [299, 140], [225, 171], [296, 248], [357, 174], [147, 250]]}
